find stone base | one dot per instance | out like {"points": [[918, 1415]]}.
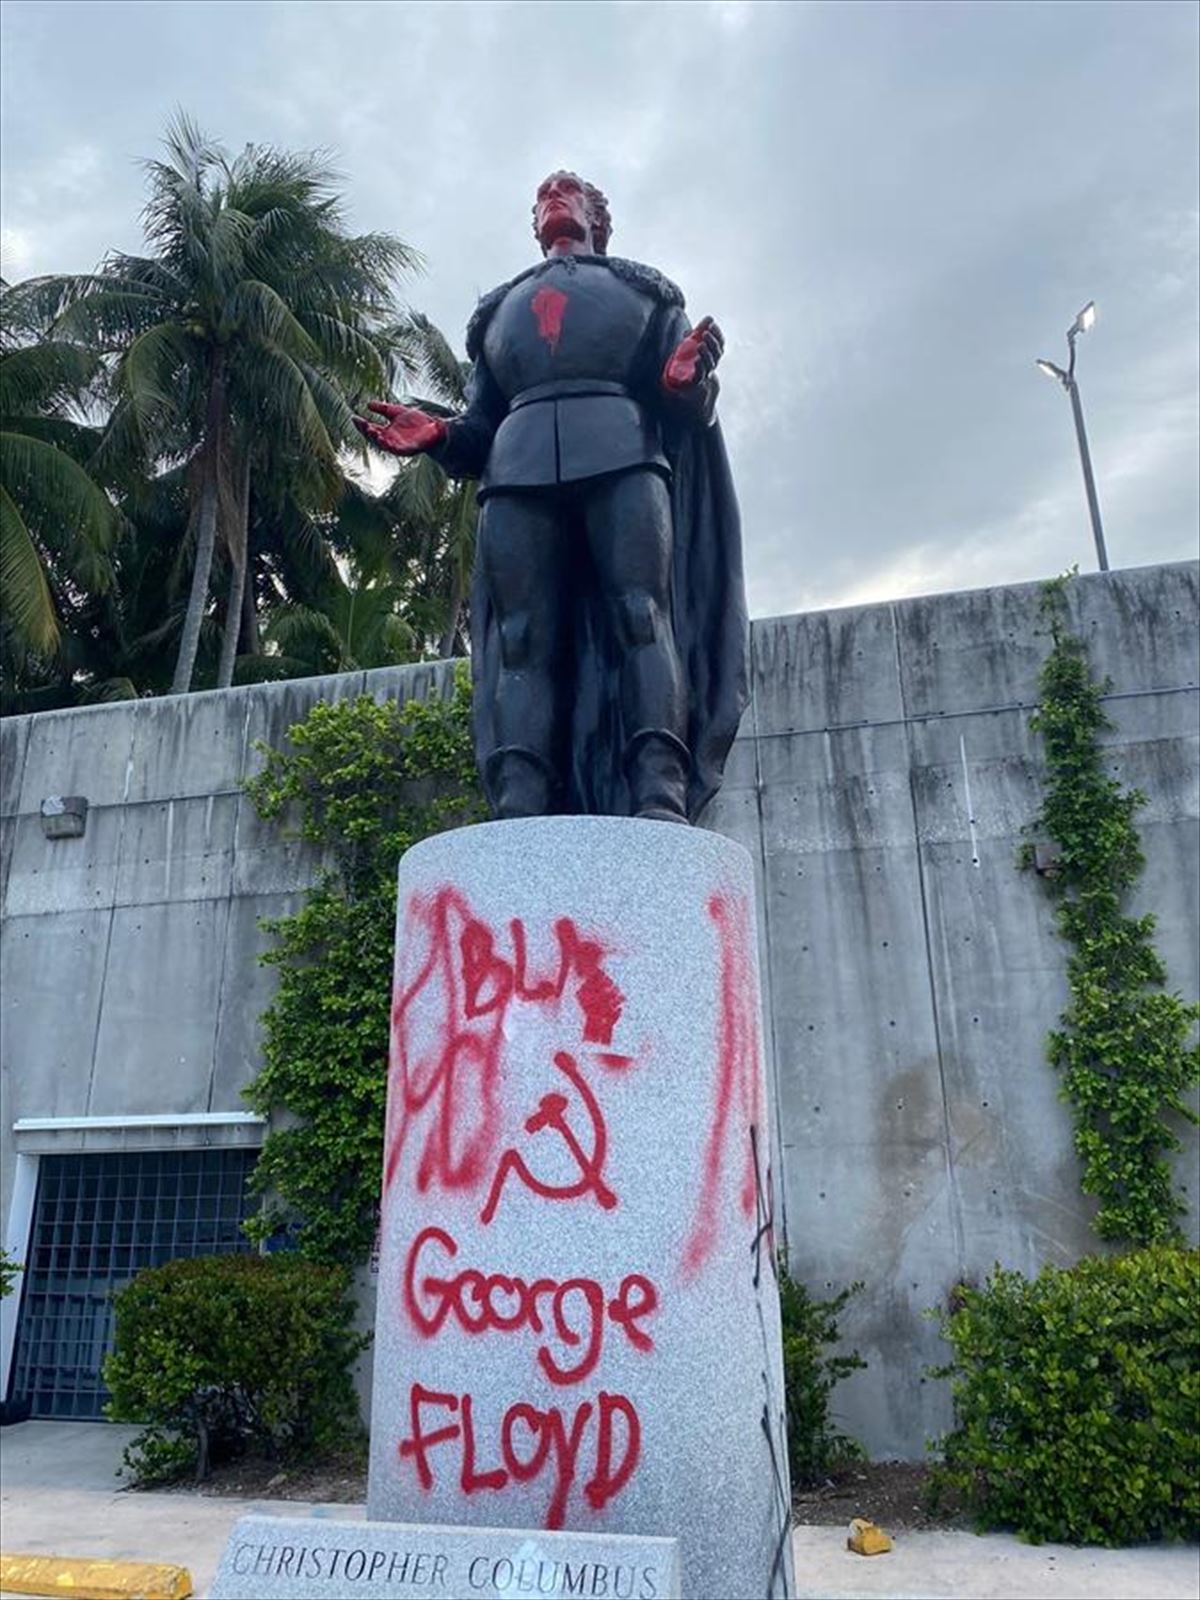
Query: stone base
{"points": [[578, 1321], [307, 1558]]}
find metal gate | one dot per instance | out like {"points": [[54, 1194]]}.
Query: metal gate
{"points": [[98, 1220]]}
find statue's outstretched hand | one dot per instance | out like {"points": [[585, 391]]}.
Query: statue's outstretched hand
{"points": [[407, 431], [693, 358]]}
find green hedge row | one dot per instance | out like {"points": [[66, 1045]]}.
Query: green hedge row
{"points": [[221, 1354], [1077, 1399]]}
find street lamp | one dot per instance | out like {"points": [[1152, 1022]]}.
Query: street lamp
{"points": [[1082, 323]]}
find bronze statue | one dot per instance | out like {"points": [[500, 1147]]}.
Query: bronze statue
{"points": [[608, 619]]}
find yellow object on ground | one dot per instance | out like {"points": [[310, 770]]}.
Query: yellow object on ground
{"points": [[866, 1539], [85, 1579]]}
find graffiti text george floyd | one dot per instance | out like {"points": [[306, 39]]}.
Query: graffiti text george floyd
{"points": [[568, 1312], [604, 1438]]}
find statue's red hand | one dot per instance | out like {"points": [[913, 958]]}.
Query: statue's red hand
{"points": [[693, 358], [407, 432]]}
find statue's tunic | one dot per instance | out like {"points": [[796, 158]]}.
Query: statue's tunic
{"points": [[566, 384], [566, 380]]}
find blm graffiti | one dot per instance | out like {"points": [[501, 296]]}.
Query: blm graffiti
{"points": [[512, 1067]]}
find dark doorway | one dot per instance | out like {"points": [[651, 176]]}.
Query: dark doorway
{"points": [[97, 1221]]}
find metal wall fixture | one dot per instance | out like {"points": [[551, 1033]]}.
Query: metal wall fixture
{"points": [[64, 816]]}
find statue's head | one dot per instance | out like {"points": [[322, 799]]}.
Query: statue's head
{"points": [[568, 208]]}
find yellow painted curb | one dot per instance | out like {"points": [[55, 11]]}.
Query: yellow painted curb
{"points": [[84, 1579]]}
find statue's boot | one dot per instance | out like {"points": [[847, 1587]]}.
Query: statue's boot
{"points": [[521, 783], [657, 766]]}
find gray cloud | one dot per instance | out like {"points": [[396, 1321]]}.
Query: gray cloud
{"points": [[892, 209]]}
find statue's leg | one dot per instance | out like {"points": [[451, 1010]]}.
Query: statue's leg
{"points": [[522, 552], [630, 540]]}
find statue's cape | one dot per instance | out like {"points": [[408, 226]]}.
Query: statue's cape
{"points": [[708, 611]]}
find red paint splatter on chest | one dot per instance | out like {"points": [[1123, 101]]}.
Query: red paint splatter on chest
{"points": [[548, 306]]}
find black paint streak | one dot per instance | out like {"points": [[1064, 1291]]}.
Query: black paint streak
{"points": [[779, 1562], [764, 1223], [764, 1215]]}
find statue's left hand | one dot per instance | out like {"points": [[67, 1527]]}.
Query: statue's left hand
{"points": [[693, 358]]}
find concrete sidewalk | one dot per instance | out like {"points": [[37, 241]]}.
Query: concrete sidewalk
{"points": [[59, 1496]]}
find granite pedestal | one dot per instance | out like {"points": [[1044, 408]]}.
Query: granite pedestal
{"points": [[299, 1558], [578, 1320]]}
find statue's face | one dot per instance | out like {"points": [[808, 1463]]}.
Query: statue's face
{"points": [[560, 211]]}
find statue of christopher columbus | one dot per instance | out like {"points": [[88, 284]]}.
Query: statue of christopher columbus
{"points": [[608, 618]]}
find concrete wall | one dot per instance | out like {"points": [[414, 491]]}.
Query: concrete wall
{"points": [[882, 779]]}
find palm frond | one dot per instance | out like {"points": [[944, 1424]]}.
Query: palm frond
{"points": [[76, 439], [192, 152], [288, 405], [441, 370], [230, 233], [108, 316], [147, 377], [260, 313], [349, 352], [110, 689], [27, 607], [396, 642], [305, 634], [29, 310], [60, 503], [415, 494], [147, 273], [45, 376]]}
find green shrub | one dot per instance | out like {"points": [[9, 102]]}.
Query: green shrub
{"points": [[815, 1448], [1077, 1399], [220, 1354], [10, 1271], [363, 781]]}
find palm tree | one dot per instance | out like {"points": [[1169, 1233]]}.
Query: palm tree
{"points": [[57, 525], [246, 337], [358, 624], [383, 577], [434, 516]]}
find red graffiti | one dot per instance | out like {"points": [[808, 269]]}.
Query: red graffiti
{"points": [[737, 1079], [447, 1039], [570, 1313], [530, 1441], [548, 305], [491, 981], [552, 1113]]}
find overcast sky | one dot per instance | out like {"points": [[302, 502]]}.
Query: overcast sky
{"points": [[892, 209]]}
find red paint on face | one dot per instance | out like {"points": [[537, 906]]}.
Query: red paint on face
{"points": [[736, 1089], [548, 306], [561, 214]]}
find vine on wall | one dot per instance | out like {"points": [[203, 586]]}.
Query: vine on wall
{"points": [[1122, 1044], [363, 781]]}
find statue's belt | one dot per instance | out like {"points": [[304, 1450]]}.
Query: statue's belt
{"points": [[561, 388]]}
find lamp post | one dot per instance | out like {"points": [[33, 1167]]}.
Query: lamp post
{"points": [[1082, 323]]}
